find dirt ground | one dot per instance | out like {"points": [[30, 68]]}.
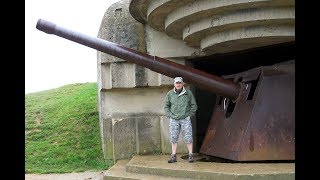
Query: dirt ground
{"points": [[88, 175]]}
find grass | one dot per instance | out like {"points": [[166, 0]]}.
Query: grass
{"points": [[62, 130]]}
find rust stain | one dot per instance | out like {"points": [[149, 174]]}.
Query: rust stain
{"points": [[251, 146]]}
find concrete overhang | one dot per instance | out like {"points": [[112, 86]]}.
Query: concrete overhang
{"points": [[220, 24]]}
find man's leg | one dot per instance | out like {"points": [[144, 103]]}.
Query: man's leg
{"points": [[187, 129], [174, 148], [190, 147], [174, 136]]}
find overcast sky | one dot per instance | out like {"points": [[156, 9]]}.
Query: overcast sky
{"points": [[52, 61]]}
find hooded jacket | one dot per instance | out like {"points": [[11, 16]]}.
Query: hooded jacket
{"points": [[179, 106]]}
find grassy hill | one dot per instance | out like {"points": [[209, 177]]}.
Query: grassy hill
{"points": [[62, 130]]}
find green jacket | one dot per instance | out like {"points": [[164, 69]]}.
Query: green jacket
{"points": [[180, 106]]}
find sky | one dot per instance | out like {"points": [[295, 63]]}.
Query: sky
{"points": [[52, 61]]}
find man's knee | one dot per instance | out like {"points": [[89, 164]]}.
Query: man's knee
{"points": [[188, 139], [174, 136]]}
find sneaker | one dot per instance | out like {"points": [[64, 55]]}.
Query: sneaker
{"points": [[173, 158], [191, 158]]}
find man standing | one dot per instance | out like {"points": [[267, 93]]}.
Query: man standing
{"points": [[179, 106]]}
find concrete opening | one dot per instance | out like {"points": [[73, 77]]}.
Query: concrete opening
{"points": [[232, 63]]}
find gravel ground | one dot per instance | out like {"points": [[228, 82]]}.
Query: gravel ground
{"points": [[88, 175]]}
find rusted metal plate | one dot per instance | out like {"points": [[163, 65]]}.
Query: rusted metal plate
{"points": [[261, 125]]}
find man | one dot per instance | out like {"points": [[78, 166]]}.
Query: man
{"points": [[179, 106]]}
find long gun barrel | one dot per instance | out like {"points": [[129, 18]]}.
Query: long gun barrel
{"points": [[201, 79]]}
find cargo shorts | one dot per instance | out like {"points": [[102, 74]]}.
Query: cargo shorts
{"points": [[184, 125]]}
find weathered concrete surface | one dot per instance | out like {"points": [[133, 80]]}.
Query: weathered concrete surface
{"points": [[196, 22], [148, 135], [158, 10], [126, 104], [194, 32], [124, 137], [117, 26], [158, 165], [120, 27], [118, 171], [195, 11], [121, 106], [246, 38], [135, 135], [134, 123], [128, 75], [121, 75], [138, 9], [117, 115], [160, 44], [105, 125]]}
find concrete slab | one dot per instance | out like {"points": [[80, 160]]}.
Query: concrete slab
{"points": [[158, 165], [118, 171]]}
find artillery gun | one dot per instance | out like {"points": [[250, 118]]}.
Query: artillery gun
{"points": [[253, 118]]}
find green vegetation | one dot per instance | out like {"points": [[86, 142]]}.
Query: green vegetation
{"points": [[62, 130]]}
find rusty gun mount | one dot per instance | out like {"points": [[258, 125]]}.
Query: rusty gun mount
{"points": [[253, 118]]}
